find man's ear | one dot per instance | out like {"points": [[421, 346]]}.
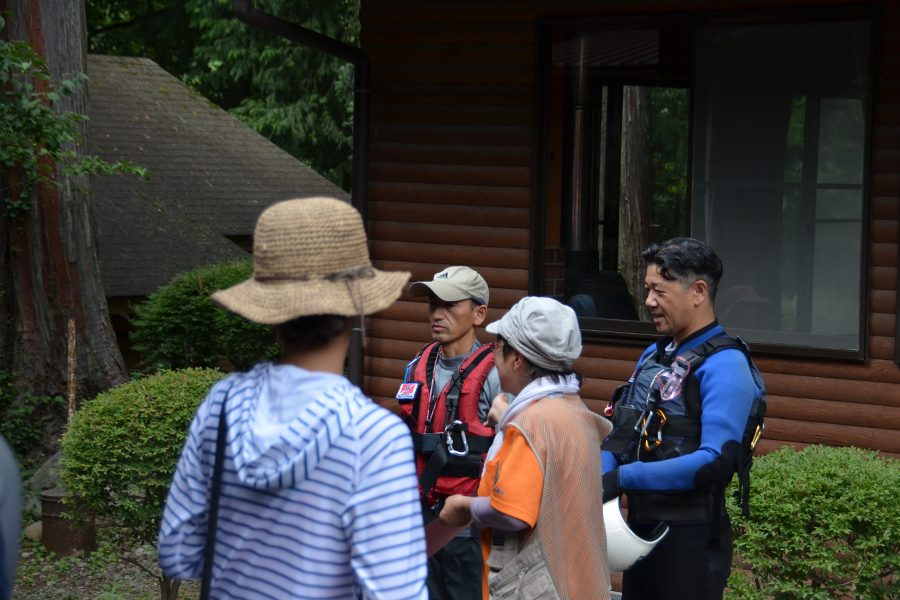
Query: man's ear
{"points": [[480, 314], [519, 362], [700, 292]]}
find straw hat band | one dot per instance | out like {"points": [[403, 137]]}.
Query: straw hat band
{"points": [[310, 257], [348, 275]]}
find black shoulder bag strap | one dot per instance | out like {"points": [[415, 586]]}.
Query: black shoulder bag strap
{"points": [[209, 553], [418, 399]]}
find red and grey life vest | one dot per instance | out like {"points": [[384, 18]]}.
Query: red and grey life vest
{"points": [[450, 440]]}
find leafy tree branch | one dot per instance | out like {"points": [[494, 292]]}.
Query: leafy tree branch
{"points": [[34, 135]]}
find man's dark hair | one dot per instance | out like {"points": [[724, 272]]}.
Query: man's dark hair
{"points": [[314, 329], [686, 260]]}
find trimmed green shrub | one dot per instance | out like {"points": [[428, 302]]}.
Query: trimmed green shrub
{"points": [[825, 524], [180, 326], [121, 450]]}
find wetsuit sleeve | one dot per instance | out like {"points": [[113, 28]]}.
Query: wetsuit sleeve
{"points": [[489, 391], [609, 461], [727, 392]]}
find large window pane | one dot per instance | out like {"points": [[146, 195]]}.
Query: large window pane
{"points": [[778, 176]]}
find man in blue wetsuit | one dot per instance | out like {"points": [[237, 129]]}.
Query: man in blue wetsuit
{"points": [[673, 458]]}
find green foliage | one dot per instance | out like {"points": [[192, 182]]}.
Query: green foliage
{"points": [[39, 566], [22, 420], [825, 525], [114, 592], [300, 99], [34, 134], [669, 128], [180, 326], [120, 453], [155, 29]]}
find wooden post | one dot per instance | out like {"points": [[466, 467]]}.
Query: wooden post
{"points": [[73, 372]]}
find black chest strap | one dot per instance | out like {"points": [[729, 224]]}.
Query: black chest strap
{"points": [[417, 401]]}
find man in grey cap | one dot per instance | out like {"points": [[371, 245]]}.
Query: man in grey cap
{"points": [[445, 398]]}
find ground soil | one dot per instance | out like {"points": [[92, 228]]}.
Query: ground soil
{"points": [[103, 575]]}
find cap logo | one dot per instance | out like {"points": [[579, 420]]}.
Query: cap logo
{"points": [[441, 276]]}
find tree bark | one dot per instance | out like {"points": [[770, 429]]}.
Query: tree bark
{"points": [[636, 192], [168, 588], [50, 261]]}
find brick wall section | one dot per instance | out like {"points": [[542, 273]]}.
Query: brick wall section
{"points": [[555, 273]]}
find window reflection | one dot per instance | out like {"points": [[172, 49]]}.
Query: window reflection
{"points": [[778, 177]]}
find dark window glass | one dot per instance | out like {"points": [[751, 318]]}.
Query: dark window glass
{"points": [[625, 150], [778, 171]]}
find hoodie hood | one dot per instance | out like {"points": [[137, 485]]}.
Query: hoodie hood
{"points": [[287, 418]]}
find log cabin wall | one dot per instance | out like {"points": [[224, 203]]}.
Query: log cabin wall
{"points": [[451, 156]]}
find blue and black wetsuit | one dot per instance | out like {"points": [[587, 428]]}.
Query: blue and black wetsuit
{"points": [[683, 486]]}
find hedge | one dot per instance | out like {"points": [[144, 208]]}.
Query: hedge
{"points": [[825, 524], [180, 326], [121, 450]]}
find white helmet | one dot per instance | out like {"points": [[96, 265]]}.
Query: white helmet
{"points": [[623, 546]]}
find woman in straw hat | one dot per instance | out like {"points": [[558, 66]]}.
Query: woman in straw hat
{"points": [[542, 535], [318, 494]]}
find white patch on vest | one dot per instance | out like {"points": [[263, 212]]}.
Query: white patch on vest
{"points": [[407, 391]]}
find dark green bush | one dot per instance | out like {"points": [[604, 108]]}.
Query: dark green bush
{"points": [[180, 326], [825, 525], [121, 450]]}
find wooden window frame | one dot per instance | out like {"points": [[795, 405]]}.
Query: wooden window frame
{"points": [[638, 333]]}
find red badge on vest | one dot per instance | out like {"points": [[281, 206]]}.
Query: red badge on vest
{"points": [[407, 392]]}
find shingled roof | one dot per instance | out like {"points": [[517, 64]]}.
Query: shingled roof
{"points": [[212, 176]]}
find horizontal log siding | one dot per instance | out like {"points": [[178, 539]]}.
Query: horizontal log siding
{"points": [[450, 184], [450, 171]]}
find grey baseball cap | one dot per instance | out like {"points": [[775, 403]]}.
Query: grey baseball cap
{"points": [[454, 284], [543, 330]]}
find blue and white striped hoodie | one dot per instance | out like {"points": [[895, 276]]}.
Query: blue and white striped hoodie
{"points": [[319, 493]]}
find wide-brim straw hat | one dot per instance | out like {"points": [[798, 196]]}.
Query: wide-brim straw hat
{"points": [[310, 258]]}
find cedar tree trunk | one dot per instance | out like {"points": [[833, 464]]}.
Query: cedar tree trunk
{"points": [[50, 265], [636, 192]]}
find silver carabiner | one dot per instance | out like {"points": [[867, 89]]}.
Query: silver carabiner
{"points": [[450, 448]]}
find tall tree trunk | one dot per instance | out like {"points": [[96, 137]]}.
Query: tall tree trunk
{"points": [[50, 262], [636, 192]]}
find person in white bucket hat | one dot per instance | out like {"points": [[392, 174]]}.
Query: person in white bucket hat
{"points": [[305, 488], [542, 536]]}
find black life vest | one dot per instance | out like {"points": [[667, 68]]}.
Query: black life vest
{"points": [[648, 430]]}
